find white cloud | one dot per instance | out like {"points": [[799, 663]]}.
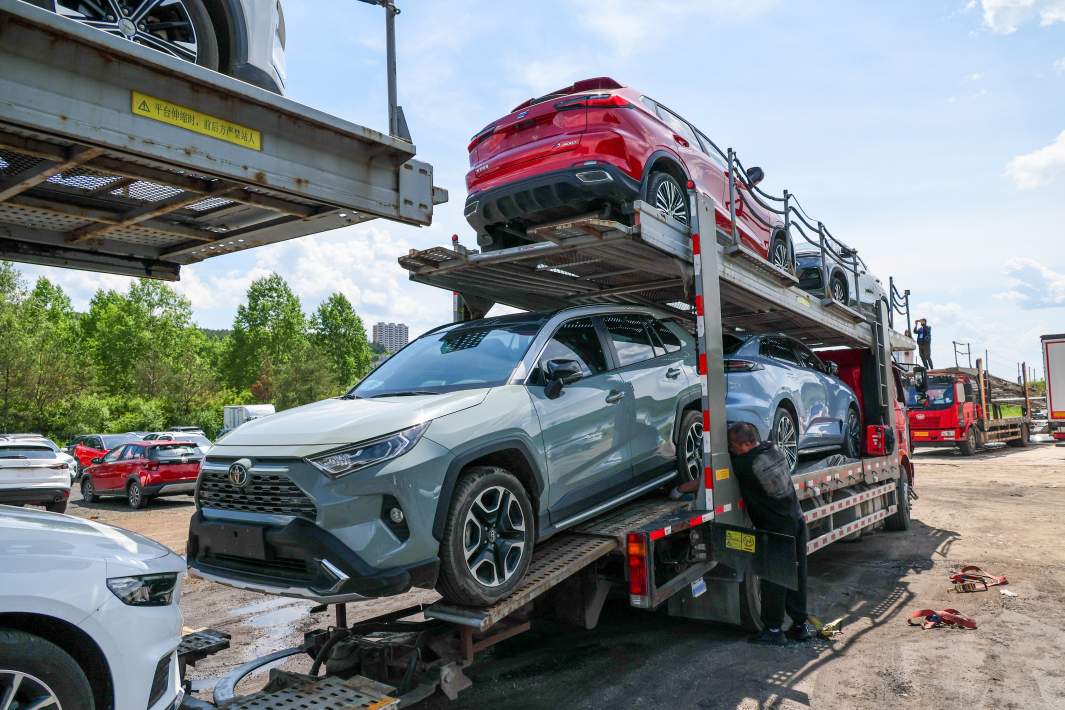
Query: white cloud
{"points": [[1040, 167], [1005, 16], [629, 25], [1059, 66], [975, 76], [1032, 285]]}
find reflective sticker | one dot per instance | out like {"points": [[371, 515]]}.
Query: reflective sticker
{"points": [[722, 474], [698, 587], [735, 540]]}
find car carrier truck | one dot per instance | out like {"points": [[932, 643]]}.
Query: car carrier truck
{"points": [[962, 407], [1054, 369], [93, 179]]}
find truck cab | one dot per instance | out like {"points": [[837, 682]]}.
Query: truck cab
{"points": [[946, 412]]}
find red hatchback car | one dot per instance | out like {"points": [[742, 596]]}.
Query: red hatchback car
{"points": [[142, 470], [599, 145]]}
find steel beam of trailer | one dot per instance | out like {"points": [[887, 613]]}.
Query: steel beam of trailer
{"points": [[118, 158]]}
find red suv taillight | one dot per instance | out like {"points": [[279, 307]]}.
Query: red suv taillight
{"points": [[485, 132], [593, 101]]}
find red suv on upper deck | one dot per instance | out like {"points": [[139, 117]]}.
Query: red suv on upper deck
{"points": [[595, 145]]}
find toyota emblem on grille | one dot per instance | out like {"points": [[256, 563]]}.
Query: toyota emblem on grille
{"points": [[239, 474]]}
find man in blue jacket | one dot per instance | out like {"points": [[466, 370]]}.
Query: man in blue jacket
{"points": [[923, 331]]}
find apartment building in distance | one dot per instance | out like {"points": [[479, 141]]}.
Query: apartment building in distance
{"points": [[392, 336]]}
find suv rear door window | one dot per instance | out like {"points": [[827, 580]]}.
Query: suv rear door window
{"points": [[575, 340], [669, 339], [629, 335], [778, 349], [678, 125]]}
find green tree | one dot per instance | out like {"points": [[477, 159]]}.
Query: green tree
{"points": [[267, 331], [338, 332], [13, 339]]}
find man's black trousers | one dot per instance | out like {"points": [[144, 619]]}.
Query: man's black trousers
{"points": [[925, 350], [776, 599]]}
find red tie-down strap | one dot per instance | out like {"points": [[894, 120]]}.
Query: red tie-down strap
{"points": [[970, 578], [930, 619]]}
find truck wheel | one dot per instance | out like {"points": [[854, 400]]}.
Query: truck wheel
{"points": [[35, 673], [967, 446], [135, 495], [88, 489], [852, 443], [667, 195], [488, 539], [751, 603], [1023, 440], [785, 434], [690, 446], [900, 520]]}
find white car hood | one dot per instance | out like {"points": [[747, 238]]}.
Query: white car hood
{"points": [[348, 421], [35, 532]]}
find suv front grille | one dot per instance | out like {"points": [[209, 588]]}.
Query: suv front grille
{"points": [[271, 493]]}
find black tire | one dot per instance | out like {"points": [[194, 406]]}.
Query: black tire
{"points": [[778, 435], [206, 40], [852, 435], [50, 669], [838, 289], [900, 519], [751, 603], [668, 195], [689, 468], [57, 506], [88, 489], [780, 254], [458, 583], [1021, 442], [135, 495], [969, 444]]}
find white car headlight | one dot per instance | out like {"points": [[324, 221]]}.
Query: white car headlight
{"points": [[340, 462], [145, 590]]}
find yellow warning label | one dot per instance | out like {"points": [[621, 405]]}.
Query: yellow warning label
{"points": [[744, 542], [184, 117], [721, 474], [803, 300]]}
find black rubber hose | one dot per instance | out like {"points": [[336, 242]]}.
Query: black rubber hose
{"points": [[322, 654]]}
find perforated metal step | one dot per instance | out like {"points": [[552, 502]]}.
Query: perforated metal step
{"points": [[322, 694]]}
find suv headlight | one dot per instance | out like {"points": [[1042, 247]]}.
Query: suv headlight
{"points": [[145, 590], [340, 462]]}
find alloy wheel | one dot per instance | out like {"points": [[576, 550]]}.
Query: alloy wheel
{"points": [[493, 536], [693, 451], [86, 488], [670, 199], [163, 25], [20, 690], [839, 291], [780, 255], [854, 429], [786, 439], [135, 496]]}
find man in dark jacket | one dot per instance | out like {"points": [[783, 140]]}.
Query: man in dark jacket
{"points": [[923, 331], [769, 495]]}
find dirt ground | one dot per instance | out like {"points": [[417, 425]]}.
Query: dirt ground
{"points": [[1003, 510]]}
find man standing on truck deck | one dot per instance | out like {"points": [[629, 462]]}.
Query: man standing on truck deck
{"points": [[769, 494], [923, 331]]}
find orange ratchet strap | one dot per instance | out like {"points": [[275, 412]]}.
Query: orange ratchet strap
{"points": [[971, 579]]}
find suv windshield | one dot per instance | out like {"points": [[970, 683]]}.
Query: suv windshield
{"points": [[467, 356]]}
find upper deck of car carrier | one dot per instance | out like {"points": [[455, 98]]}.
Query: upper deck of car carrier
{"points": [[118, 158]]}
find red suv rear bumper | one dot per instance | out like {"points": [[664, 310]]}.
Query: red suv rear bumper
{"points": [[549, 196]]}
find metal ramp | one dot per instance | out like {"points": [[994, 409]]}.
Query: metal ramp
{"points": [[589, 260], [118, 158]]}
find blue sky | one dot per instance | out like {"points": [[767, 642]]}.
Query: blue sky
{"points": [[929, 134]]}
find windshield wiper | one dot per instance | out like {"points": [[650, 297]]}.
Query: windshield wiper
{"points": [[407, 393]]}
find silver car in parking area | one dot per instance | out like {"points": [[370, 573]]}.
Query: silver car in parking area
{"points": [[792, 396]]}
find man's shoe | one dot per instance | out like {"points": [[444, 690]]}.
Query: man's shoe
{"points": [[802, 632], [770, 638]]}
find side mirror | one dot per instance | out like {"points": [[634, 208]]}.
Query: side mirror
{"points": [[833, 368], [755, 175], [920, 379], [98, 459], [558, 373]]}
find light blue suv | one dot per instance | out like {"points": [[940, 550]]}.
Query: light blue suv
{"points": [[446, 465]]}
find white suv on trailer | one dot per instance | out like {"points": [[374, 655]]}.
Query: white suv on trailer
{"points": [[89, 615]]}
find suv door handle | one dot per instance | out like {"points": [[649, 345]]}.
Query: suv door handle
{"points": [[673, 373], [614, 397]]}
